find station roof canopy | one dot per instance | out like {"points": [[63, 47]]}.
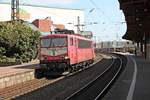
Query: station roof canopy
{"points": [[137, 16]]}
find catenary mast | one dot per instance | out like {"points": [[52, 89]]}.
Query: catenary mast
{"points": [[14, 10]]}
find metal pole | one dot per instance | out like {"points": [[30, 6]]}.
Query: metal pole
{"points": [[95, 41], [145, 47], [78, 24], [17, 9], [14, 10]]}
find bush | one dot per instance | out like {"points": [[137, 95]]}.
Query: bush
{"points": [[18, 41]]}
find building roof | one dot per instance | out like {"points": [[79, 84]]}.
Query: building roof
{"points": [[137, 16]]}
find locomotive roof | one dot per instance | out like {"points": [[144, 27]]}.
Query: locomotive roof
{"points": [[62, 35]]}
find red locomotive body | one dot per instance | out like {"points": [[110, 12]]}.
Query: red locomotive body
{"points": [[61, 52]]}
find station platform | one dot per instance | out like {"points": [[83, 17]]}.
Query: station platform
{"points": [[12, 75], [133, 83]]}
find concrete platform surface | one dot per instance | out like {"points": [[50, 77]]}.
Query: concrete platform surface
{"points": [[6, 71], [12, 75], [134, 82]]}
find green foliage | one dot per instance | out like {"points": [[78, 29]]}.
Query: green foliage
{"points": [[18, 41]]}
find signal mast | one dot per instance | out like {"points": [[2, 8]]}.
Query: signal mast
{"points": [[14, 10]]}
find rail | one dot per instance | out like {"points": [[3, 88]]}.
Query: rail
{"points": [[110, 81], [78, 94]]}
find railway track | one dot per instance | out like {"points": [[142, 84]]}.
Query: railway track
{"points": [[26, 87], [64, 88], [97, 87]]}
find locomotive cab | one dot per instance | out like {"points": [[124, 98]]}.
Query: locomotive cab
{"points": [[54, 53]]}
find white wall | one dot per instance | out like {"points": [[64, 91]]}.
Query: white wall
{"points": [[58, 15]]}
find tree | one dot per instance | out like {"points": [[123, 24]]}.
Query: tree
{"points": [[19, 41]]}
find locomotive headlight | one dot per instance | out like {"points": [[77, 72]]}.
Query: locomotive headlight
{"points": [[66, 57]]}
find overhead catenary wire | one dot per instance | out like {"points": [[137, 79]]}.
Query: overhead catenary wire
{"points": [[108, 21], [100, 10], [101, 13]]}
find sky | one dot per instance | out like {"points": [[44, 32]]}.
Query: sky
{"points": [[103, 17]]}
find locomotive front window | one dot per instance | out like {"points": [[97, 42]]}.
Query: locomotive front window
{"points": [[54, 42], [45, 42]]}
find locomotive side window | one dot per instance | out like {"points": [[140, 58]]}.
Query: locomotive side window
{"points": [[84, 44], [71, 41]]}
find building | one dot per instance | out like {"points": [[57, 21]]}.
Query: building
{"points": [[65, 16]]}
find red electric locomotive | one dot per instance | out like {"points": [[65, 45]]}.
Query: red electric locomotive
{"points": [[64, 51]]}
